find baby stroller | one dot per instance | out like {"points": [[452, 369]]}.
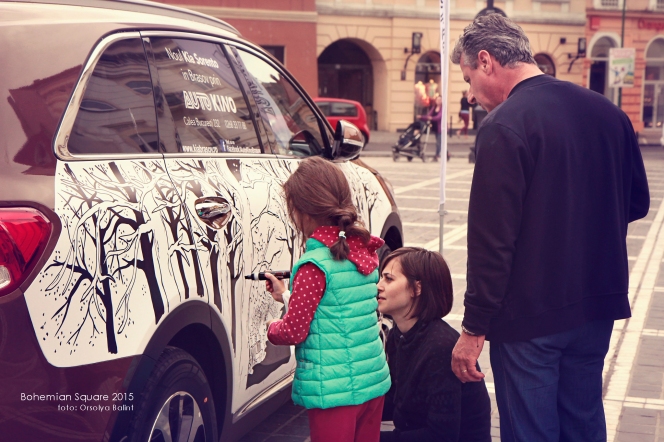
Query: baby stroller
{"points": [[410, 142]]}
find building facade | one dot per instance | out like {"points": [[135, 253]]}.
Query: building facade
{"points": [[382, 30], [362, 49], [642, 29]]}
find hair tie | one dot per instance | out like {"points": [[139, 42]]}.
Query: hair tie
{"points": [[342, 234]]}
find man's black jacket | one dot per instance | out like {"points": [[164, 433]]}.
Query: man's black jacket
{"points": [[558, 177]]}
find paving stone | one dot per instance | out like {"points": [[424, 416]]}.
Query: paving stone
{"points": [[634, 437], [639, 429]]}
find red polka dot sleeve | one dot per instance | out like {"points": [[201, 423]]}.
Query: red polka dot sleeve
{"points": [[308, 290]]}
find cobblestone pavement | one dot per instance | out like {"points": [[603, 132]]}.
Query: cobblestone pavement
{"points": [[634, 367]]}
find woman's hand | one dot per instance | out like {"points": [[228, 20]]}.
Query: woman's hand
{"points": [[275, 286]]}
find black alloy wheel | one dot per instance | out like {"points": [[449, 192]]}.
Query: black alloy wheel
{"points": [[176, 404]]}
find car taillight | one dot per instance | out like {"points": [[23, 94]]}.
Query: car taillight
{"points": [[24, 233]]}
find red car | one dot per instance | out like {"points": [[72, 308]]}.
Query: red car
{"points": [[336, 109]]}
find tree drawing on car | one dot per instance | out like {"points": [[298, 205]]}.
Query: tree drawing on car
{"points": [[132, 249]]}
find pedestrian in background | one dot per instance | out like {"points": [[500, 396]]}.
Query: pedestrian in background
{"points": [[464, 114], [426, 402], [435, 116], [341, 375], [558, 177]]}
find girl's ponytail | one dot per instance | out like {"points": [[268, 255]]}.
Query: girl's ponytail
{"points": [[349, 225]]}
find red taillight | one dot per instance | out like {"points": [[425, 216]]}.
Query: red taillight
{"points": [[24, 234]]}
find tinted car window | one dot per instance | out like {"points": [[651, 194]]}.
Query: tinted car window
{"points": [[117, 114], [335, 109], [198, 88], [291, 124]]}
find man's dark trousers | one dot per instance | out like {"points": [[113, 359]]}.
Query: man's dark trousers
{"points": [[551, 387]]}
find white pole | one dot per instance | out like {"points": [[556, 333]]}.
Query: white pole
{"points": [[444, 74]]}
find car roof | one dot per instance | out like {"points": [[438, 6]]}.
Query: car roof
{"points": [[336, 100], [141, 6]]}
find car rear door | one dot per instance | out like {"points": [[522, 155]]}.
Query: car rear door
{"points": [[233, 211]]}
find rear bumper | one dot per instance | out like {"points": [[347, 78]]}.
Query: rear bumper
{"points": [[40, 402]]}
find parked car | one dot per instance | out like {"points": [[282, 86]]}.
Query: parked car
{"points": [[143, 152], [336, 109]]}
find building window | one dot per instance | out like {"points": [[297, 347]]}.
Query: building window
{"points": [[608, 4], [545, 64], [276, 51], [653, 85], [598, 80]]}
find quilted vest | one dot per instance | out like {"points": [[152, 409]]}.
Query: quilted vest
{"points": [[342, 361]]}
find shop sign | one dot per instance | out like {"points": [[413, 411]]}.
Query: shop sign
{"points": [[621, 67], [649, 24]]}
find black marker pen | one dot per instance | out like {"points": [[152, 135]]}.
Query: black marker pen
{"points": [[260, 276]]}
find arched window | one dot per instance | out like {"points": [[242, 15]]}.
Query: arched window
{"points": [[427, 81], [345, 71], [599, 70], [545, 64], [653, 85]]}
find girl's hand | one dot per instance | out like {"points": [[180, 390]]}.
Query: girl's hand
{"points": [[275, 286]]}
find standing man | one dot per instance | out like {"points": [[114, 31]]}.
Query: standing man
{"points": [[558, 177]]}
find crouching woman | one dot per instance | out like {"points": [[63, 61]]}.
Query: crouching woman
{"points": [[427, 402]]}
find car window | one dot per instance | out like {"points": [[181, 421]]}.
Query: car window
{"points": [[343, 110], [324, 107], [116, 113], [291, 124], [200, 100]]}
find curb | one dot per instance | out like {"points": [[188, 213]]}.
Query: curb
{"points": [[384, 153]]}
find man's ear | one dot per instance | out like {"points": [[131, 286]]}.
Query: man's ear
{"points": [[484, 61], [418, 289]]}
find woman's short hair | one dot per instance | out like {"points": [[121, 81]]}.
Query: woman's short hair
{"points": [[430, 269], [497, 35]]}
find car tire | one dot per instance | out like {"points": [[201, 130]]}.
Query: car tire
{"points": [[176, 400]]}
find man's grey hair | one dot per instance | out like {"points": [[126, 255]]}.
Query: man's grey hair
{"points": [[497, 35]]}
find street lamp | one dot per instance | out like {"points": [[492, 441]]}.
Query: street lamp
{"points": [[622, 45], [415, 48]]}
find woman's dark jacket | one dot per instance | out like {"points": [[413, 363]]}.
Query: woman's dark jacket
{"points": [[427, 402]]}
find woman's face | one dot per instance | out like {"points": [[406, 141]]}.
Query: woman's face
{"points": [[439, 100], [395, 297]]}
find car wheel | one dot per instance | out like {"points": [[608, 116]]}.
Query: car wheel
{"points": [[176, 403]]}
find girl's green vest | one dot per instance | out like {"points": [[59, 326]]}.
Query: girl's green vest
{"points": [[342, 361]]}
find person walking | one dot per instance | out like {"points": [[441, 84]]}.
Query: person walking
{"points": [[464, 114], [558, 177], [341, 375], [435, 116], [426, 401]]}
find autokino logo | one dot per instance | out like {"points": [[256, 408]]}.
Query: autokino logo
{"points": [[201, 100]]}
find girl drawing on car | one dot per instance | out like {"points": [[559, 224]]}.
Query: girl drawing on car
{"points": [[427, 402], [341, 375]]}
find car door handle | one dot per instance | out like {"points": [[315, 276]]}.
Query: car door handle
{"points": [[213, 211]]}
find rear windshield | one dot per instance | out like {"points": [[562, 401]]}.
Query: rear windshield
{"points": [[336, 109]]}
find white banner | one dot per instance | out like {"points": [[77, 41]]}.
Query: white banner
{"points": [[621, 67], [444, 79]]}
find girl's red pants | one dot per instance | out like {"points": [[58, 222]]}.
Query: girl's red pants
{"points": [[352, 423]]}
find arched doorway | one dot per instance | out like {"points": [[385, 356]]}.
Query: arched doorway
{"points": [[653, 85], [427, 81], [599, 67], [545, 63], [344, 71]]}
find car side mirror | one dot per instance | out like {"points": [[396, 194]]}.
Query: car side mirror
{"points": [[348, 141]]}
